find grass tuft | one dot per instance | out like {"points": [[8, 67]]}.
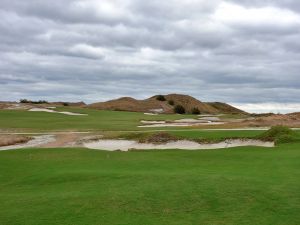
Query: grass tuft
{"points": [[280, 135]]}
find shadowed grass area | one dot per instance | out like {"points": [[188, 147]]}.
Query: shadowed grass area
{"points": [[245, 186]]}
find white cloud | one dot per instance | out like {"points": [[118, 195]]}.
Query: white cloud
{"points": [[238, 15], [84, 50], [269, 107]]}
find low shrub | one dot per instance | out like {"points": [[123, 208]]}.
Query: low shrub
{"points": [[179, 109], [195, 111], [171, 102], [161, 98]]}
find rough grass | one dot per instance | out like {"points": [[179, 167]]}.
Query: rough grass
{"points": [[201, 136], [280, 134], [245, 186]]}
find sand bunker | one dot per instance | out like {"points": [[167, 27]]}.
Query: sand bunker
{"points": [[125, 145], [177, 123], [204, 120], [35, 142], [53, 111]]}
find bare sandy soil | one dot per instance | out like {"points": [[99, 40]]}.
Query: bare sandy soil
{"points": [[125, 145], [35, 142], [53, 111], [6, 140]]}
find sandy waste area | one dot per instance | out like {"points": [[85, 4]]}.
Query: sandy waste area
{"points": [[35, 142], [181, 122], [125, 145], [53, 111]]}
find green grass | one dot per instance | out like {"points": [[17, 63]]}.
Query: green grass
{"points": [[280, 134], [205, 135], [96, 120], [242, 186]]}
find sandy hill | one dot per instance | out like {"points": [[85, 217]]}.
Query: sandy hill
{"points": [[152, 104], [225, 108]]}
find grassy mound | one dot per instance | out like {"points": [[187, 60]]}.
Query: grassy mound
{"points": [[279, 134], [158, 138]]}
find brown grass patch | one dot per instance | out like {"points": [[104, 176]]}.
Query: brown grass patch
{"points": [[6, 140]]}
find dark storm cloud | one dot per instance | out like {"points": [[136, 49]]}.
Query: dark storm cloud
{"points": [[232, 51]]}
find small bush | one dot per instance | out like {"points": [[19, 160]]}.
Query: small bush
{"points": [[161, 98], [279, 134], [179, 109], [171, 102], [195, 111]]}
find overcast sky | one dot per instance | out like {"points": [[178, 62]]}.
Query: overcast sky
{"points": [[236, 51]]}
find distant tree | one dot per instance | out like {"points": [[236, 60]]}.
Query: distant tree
{"points": [[65, 104], [161, 98], [171, 102], [41, 102], [24, 101], [179, 109], [33, 102], [195, 111]]}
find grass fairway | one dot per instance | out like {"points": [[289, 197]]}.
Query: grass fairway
{"points": [[247, 185], [95, 120]]}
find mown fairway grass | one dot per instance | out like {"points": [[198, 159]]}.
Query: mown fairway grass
{"points": [[249, 185], [96, 120]]}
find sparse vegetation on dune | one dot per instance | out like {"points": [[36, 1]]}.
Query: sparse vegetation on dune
{"points": [[195, 111], [160, 98], [164, 103]]}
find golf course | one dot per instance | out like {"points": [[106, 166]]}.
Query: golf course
{"points": [[74, 185]]}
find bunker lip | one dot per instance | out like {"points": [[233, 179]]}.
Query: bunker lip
{"points": [[126, 145], [35, 142]]}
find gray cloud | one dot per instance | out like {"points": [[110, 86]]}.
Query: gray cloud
{"points": [[232, 51]]}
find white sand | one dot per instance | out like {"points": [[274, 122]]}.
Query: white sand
{"points": [[171, 124], [125, 145], [151, 114], [35, 142], [187, 121], [153, 121], [53, 111]]}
